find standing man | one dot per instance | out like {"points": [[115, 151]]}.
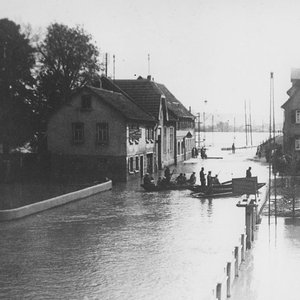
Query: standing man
{"points": [[202, 177], [233, 148], [248, 173], [209, 179], [168, 174]]}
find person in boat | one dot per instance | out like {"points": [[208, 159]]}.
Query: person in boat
{"points": [[168, 174], [180, 179], [209, 188], [216, 180], [159, 181], [209, 179], [248, 172], [202, 177], [233, 148], [192, 179], [147, 179]]}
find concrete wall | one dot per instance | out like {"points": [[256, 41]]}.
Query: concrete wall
{"points": [[16, 213]]}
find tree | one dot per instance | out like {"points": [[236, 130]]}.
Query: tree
{"points": [[16, 85], [68, 60]]}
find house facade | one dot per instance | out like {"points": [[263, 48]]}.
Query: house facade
{"points": [[291, 125], [101, 133]]}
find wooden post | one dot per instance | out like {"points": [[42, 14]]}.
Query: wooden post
{"points": [[228, 271], [249, 226]]}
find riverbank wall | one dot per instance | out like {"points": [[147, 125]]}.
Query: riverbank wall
{"points": [[20, 212], [225, 280]]}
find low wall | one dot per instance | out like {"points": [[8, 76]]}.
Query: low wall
{"points": [[20, 212]]}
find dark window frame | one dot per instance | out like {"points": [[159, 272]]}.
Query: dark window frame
{"points": [[77, 133]]}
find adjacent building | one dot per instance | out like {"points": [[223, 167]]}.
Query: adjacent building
{"points": [[120, 130], [291, 125], [175, 125]]}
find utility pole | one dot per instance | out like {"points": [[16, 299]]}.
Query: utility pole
{"points": [[246, 123], [106, 63], [114, 67]]}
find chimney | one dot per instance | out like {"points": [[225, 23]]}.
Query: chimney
{"points": [[190, 109], [149, 77]]}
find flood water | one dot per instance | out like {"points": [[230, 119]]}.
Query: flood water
{"points": [[127, 243]]}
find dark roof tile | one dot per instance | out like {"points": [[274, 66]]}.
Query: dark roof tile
{"points": [[122, 104]]}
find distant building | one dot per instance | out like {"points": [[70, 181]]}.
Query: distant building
{"points": [[291, 125], [175, 125], [101, 133]]}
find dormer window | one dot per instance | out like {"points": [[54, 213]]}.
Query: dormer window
{"points": [[86, 102]]}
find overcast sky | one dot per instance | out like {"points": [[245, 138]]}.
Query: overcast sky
{"points": [[221, 51]]}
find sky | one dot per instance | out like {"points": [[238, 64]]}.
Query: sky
{"points": [[213, 55]]}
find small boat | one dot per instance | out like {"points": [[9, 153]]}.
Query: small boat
{"points": [[222, 187], [214, 195], [166, 187], [220, 193]]}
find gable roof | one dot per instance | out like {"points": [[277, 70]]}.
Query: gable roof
{"points": [[144, 92], [178, 109], [148, 94], [122, 104], [292, 92]]}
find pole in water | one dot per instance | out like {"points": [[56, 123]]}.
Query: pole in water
{"points": [[270, 151]]}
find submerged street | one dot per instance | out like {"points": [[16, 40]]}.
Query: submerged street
{"points": [[127, 243]]}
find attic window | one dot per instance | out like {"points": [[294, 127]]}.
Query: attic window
{"points": [[86, 102]]}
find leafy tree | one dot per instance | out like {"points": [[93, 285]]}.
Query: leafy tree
{"points": [[16, 85], [68, 60]]}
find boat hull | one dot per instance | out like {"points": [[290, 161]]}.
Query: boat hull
{"points": [[169, 187]]}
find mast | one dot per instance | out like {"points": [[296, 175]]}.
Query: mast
{"points": [[274, 147], [212, 128], [250, 123], [270, 137], [149, 64], [106, 63], [246, 124], [234, 129], [114, 67]]}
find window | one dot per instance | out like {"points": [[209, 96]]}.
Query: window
{"points": [[77, 133], [171, 139], [297, 116], [130, 165], [86, 102], [102, 133], [149, 136], [297, 143], [165, 140], [137, 166]]}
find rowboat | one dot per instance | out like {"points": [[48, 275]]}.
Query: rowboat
{"points": [[220, 193], [166, 187]]}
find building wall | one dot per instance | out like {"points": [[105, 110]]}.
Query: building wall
{"points": [[184, 144], [140, 153], [60, 130], [291, 129]]}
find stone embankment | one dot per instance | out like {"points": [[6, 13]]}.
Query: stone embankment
{"points": [[20, 212]]}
